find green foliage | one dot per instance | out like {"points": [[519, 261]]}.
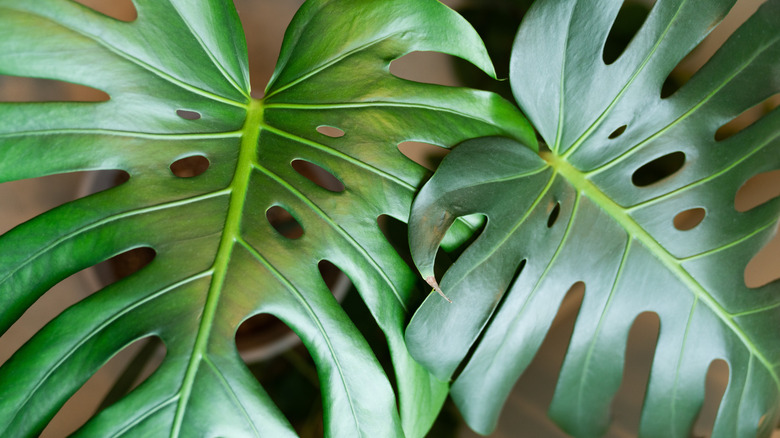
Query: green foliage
{"points": [[589, 210], [218, 259]]}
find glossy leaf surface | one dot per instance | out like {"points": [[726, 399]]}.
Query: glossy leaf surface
{"points": [[178, 83], [593, 210]]}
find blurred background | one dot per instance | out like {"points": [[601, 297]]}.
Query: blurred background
{"points": [[270, 350]]}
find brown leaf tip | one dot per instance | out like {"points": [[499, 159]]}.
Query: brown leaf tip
{"points": [[435, 285]]}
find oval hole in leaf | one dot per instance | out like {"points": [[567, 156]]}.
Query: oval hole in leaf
{"points": [[758, 190], [284, 222], [123, 10], [330, 131], [689, 219], [285, 370], [658, 169], [715, 387], [618, 132], [318, 175], [640, 352], [703, 51], [189, 167], [188, 115], [22, 89], [763, 268], [629, 20], [556, 210], [747, 118], [425, 67], [425, 154], [128, 369]]}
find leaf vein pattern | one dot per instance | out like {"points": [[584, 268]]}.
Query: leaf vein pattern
{"points": [[619, 214], [514, 228], [105, 221], [343, 233], [748, 376], [157, 72], [673, 398], [136, 421], [329, 64], [536, 289], [211, 56], [620, 158], [232, 393], [341, 155], [238, 189], [732, 243], [109, 132], [706, 179], [313, 317], [602, 318], [625, 87], [758, 310], [92, 333], [562, 89], [376, 104]]}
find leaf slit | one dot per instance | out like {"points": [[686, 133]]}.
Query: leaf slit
{"points": [[122, 10], [284, 222], [639, 355], [83, 404], [629, 20], [27, 89], [715, 387], [747, 118]]}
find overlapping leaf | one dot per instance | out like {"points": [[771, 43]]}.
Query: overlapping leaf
{"points": [[218, 260], [576, 213]]}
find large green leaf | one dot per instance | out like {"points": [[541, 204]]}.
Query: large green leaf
{"points": [[218, 259], [575, 214]]}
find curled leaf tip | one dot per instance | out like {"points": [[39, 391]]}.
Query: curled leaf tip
{"points": [[431, 280]]}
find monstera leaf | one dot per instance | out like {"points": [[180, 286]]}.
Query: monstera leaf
{"points": [[590, 210], [178, 84]]}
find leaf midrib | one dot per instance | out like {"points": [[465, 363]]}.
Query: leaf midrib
{"points": [[581, 184], [238, 188]]}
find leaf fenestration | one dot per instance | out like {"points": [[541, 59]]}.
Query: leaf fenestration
{"points": [[178, 83], [615, 227]]}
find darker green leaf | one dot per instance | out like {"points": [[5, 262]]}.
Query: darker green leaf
{"points": [[178, 83], [599, 207]]}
